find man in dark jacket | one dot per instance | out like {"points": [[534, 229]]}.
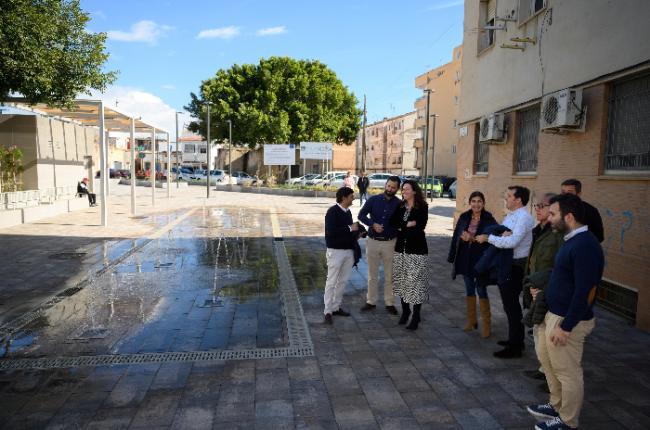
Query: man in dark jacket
{"points": [[592, 216], [340, 237], [570, 297], [363, 183]]}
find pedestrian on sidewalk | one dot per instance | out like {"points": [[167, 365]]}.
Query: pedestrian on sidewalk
{"points": [[592, 216], [570, 297], [464, 253], [82, 188], [363, 183], [376, 214], [348, 180], [546, 243], [411, 259], [520, 224], [340, 238]]}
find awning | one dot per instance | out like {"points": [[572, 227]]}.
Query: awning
{"points": [[86, 112]]}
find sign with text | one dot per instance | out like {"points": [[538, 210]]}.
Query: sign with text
{"points": [[279, 155], [315, 150]]}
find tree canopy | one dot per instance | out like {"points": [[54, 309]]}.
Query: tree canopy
{"points": [[46, 54], [279, 100]]}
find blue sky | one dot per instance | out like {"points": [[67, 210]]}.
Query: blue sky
{"points": [[164, 49]]}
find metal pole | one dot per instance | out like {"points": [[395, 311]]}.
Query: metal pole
{"points": [[102, 166], [169, 165], [133, 166], [153, 167], [178, 173], [208, 155], [108, 172], [433, 152], [229, 151], [363, 137], [426, 144]]}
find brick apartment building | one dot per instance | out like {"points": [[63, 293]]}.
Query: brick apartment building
{"points": [[390, 145], [529, 53]]}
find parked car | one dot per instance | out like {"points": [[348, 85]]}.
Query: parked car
{"points": [[216, 176], [300, 180], [327, 178], [337, 182], [244, 178], [378, 180], [452, 190], [316, 180]]}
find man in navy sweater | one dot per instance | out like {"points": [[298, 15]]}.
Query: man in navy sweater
{"points": [[570, 298], [340, 236]]}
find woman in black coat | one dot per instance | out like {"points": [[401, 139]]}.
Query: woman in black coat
{"points": [[410, 260], [464, 252]]}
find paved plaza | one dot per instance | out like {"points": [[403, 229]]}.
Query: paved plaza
{"points": [[208, 314]]}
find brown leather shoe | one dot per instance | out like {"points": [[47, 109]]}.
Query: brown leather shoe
{"points": [[328, 319], [367, 307]]}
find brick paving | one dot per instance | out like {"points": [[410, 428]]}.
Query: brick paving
{"points": [[367, 372]]}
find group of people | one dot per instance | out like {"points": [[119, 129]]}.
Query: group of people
{"points": [[396, 241], [555, 260]]}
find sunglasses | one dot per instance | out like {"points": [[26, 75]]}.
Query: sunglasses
{"points": [[540, 206]]}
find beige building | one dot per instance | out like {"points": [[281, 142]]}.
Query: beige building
{"points": [[560, 89], [443, 87], [387, 143], [56, 153]]}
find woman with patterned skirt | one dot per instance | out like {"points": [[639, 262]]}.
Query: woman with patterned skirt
{"points": [[410, 260]]}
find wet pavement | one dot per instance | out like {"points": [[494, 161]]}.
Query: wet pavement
{"points": [[173, 291]]}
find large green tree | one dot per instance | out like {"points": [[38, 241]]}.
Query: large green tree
{"points": [[279, 100], [46, 53]]}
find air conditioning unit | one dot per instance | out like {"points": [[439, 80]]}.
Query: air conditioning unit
{"points": [[562, 109], [492, 128]]}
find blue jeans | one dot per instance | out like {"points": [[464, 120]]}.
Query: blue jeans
{"points": [[363, 196], [472, 288]]}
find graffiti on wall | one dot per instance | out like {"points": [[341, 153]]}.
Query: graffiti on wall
{"points": [[620, 227]]}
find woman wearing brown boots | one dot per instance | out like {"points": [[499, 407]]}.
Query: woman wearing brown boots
{"points": [[464, 252]]}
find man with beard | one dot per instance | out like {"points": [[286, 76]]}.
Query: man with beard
{"points": [[376, 215], [570, 297]]}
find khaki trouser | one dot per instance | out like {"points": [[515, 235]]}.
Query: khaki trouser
{"points": [[339, 268], [380, 251], [563, 366]]}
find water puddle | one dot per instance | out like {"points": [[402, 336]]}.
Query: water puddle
{"points": [[210, 283]]}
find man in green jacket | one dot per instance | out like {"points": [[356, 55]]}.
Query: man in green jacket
{"points": [[546, 243]]}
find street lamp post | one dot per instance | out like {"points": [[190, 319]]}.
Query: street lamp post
{"points": [[433, 151], [229, 151], [208, 153], [178, 173], [426, 142]]}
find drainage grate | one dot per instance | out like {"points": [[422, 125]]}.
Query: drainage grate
{"points": [[67, 255], [91, 333], [164, 357]]}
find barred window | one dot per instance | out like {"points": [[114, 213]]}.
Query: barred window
{"points": [[628, 129], [527, 139], [481, 152], [189, 148]]}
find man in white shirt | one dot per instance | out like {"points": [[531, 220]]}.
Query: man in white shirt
{"points": [[521, 224]]}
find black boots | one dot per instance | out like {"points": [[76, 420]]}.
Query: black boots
{"points": [[415, 319], [406, 312]]}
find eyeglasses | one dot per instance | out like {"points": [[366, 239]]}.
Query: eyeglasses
{"points": [[540, 206]]}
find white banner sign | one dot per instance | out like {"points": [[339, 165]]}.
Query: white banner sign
{"points": [[315, 150], [279, 155]]}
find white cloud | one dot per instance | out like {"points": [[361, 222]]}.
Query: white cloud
{"points": [[271, 31], [446, 5], [141, 31], [150, 107], [219, 33]]}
